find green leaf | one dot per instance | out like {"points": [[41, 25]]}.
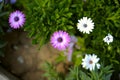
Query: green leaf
{"points": [[1, 5], [3, 13], [78, 58], [1, 53], [2, 44], [108, 77], [69, 14], [115, 61], [60, 58], [70, 27], [84, 76]]}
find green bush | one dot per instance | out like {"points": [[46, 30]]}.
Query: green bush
{"points": [[77, 73], [47, 16]]}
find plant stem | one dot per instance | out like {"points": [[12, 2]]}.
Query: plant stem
{"points": [[77, 74]]}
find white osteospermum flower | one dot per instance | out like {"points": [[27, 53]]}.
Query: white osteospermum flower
{"points": [[90, 61], [108, 39], [85, 25]]}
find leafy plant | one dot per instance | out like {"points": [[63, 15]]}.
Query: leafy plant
{"points": [[51, 73], [78, 73], [3, 26], [47, 16]]}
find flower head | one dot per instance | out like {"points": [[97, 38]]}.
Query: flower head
{"points": [[60, 40], [90, 61], [85, 25], [16, 19], [108, 39]]}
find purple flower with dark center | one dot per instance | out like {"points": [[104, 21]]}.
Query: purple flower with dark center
{"points": [[16, 19], [60, 40]]}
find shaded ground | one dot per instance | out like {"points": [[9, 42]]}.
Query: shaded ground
{"points": [[25, 59]]}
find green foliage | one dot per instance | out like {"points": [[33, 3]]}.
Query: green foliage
{"points": [[106, 17], [61, 58], [2, 23], [46, 16], [51, 73], [104, 73], [78, 54], [78, 73]]}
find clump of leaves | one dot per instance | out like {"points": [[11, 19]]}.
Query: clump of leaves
{"points": [[46, 16], [51, 73], [78, 73]]}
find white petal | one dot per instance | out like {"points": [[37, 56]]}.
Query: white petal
{"points": [[98, 66]]}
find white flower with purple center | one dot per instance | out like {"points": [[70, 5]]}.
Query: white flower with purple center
{"points": [[85, 25], [60, 40], [108, 39], [90, 61], [16, 19]]}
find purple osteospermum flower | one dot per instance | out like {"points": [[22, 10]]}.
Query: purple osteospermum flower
{"points": [[60, 40], [16, 19]]}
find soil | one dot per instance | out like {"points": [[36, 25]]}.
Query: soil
{"points": [[24, 59]]}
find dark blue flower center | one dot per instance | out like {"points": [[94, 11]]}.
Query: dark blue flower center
{"points": [[85, 25], [16, 18], [60, 39], [90, 62], [108, 38]]}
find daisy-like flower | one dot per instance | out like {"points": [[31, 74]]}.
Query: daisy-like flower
{"points": [[60, 40], [16, 19], [90, 61], [108, 39], [85, 25]]}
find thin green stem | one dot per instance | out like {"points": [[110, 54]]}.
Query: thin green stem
{"points": [[77, 74]]}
